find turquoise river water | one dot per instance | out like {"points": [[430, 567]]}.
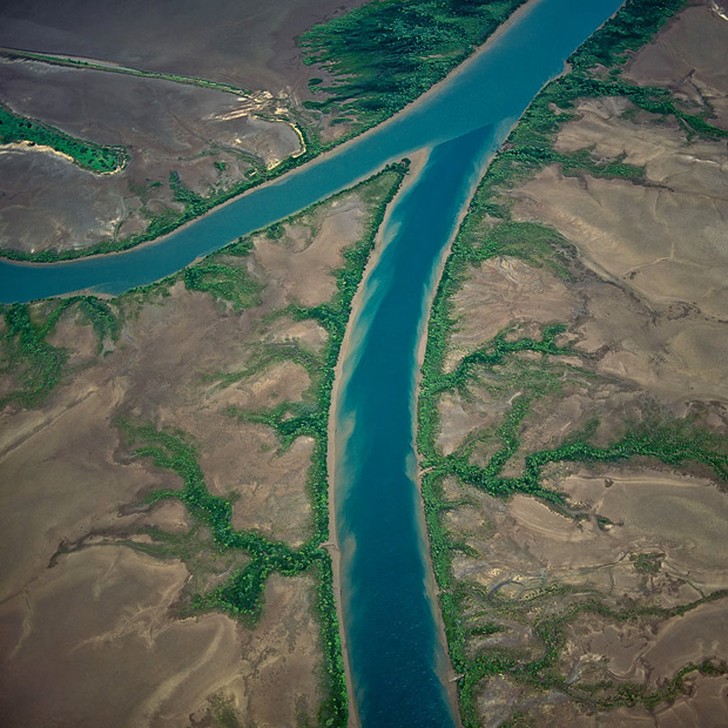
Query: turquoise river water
{"points": [[397, 660]]}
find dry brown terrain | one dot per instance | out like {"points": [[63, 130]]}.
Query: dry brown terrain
{"points": [[231, 41], [626, 585], [94, 608], [686, 59], [165, 126], [213, 139]]}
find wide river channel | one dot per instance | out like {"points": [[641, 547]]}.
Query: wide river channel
{"points": [[397, 660]]}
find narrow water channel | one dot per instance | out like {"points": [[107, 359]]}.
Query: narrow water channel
{"points": [[396, 655], [496, 85]]}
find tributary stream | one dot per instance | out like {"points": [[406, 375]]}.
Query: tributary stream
{"points": [[397, 660]]}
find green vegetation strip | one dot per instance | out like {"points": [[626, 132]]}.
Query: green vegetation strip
{"points": [[224, 282], [87, 155], [241, 594], [542, 671], [35, 365], [385, 54], [488, 231]]}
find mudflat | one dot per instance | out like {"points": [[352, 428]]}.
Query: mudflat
{"points": [[104, 584], [594, 594], [214, 140]]}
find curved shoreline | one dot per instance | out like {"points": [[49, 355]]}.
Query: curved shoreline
{"points": [[417, 163], [322, 157], [419, 160]]}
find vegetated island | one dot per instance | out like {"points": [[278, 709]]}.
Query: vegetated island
{"points": [[172, 566], [92, 157], [203, 144], [573, 412]]}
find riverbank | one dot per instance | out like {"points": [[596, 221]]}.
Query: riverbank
{"points": [[290, 169], [505, 404], [421, 126], [449, 672], [417, 163]]}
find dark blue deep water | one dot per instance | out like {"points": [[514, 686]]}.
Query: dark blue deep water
{"points": [[397, 661], [396, 655]]}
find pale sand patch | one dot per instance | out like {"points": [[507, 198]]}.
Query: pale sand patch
{"points": [[282, 382], [270, 139], [26, 146], [303, 260], [63, 457], [92, 637], [504, 291], [667, 245], [308, 333], [685, 517]]}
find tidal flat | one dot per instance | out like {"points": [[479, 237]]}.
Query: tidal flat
{"points": [[215, 141], [185, 506], [574, 412]]}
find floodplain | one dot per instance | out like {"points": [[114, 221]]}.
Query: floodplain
{"points": [[180, 524], [573, 417]]}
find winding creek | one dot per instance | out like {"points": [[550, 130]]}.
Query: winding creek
{"points": [[397, 660]]}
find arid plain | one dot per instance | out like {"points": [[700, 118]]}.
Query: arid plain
{"points": [[97, 580], [623, 586], [213, 139]]}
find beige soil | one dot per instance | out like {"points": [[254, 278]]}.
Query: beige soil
{"points": [[513, 293], [103, 616], [645, 311], [314, 244], [73, 498]]}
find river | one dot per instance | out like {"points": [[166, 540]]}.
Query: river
{"points": [[397, 660]]}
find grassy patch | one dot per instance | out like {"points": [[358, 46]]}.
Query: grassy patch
{"points": [[385, 54], [86, 154], [35, 365]]}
